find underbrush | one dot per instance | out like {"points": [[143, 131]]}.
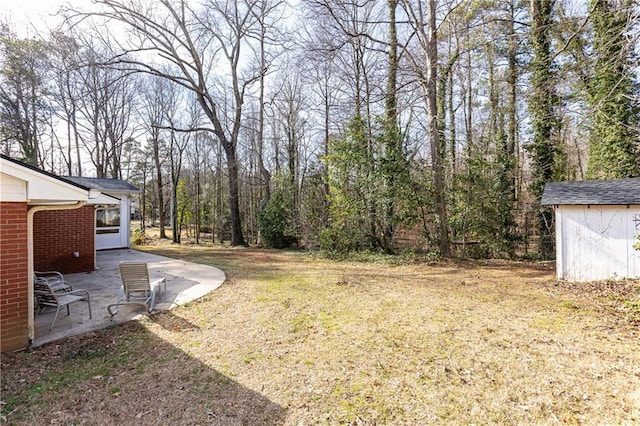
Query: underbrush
{"points": [[404, 257]]}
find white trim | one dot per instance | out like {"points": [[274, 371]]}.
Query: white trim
{"points": [[121, 239], [104, 199], [41, 192], [42, 188], [560, 247], [30, 214], [12, 189]]}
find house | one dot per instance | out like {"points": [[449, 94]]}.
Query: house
{"points": [[45, 223], [113, 210], [49, 222], [596, 227]]}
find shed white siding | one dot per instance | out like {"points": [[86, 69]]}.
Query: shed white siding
{"points": [[596, 242]]}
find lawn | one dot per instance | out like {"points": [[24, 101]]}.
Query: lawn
{"points": [[293, 339]]}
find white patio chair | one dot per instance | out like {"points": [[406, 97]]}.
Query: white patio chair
{"points": [[55, 279], [136, 287], [46, 296]]}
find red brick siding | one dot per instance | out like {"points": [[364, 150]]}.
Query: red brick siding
{"points": [[14, 270], [59, 233]]}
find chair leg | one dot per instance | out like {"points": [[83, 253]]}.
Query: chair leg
{"points": [[152, 302], [112, 309], [89, 302], [55, 316]]}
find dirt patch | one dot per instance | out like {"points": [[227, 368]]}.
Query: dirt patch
{"points": [[291, 339]]}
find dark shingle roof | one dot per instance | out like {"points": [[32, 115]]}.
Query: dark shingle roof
{"points": [[44, 172], [104, 185], [603, 192]]}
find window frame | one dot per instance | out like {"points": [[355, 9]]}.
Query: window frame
{"points": [[110, 228]]}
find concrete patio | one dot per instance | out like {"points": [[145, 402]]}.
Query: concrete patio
{"points": [[186, 282]]}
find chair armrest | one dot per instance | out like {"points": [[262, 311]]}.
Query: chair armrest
{"points": [[48, 274], [56, 284], [80, 291], [160, 284]]}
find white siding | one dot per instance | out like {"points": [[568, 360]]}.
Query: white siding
{"points": [[122, 238], [596, 242], [12, 189], [39, 188], [125, 222]]}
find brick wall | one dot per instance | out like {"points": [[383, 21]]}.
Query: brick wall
{"points": [[14, 270], [57, 234]]}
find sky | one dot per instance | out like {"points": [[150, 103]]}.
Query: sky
{"points": [[31, 16]]}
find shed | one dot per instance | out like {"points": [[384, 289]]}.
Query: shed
{"points": [[113, 210], [596, 227], [33, 223]]}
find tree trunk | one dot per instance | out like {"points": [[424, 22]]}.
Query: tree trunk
{"points": [[393, 139], [237, 238], [161, 211], [512, 124], [175, 231], [434, 134], [544, 121], [264, 173]]}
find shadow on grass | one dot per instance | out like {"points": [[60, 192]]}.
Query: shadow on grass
{"points": [[171, 322], [125, 374]]}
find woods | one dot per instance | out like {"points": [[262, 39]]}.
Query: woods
{"points": [[367, 125]]}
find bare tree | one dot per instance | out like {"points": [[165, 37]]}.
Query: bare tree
{"points": [[198, 155], [178, 142], [422, 19], [203, 48], [158, 98], [319, 79], [265, 39], [288, 109], [66, 94], [104, 102]]}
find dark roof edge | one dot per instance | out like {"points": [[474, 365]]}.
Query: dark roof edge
{"points": [[95, 183], [583, 203], [624, 191], [44, 172]]}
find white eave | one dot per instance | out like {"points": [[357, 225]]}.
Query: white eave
{"points": [[23, 183], [104, 199]]}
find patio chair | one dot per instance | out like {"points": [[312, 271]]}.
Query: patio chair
{"points": [[46, 296], [136, 287], [55, 279]]}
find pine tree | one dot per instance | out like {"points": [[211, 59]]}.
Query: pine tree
{"points": [[613, 145], [544, 148]]}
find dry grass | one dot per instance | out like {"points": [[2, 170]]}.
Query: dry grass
{"points": [[290, 339]]}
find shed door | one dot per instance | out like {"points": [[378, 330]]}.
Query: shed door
{"points": [[597, 242]]}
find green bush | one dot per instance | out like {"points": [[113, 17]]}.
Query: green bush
{"points": [[138, 237], [273, 228], [344, 239], [276, 219]]}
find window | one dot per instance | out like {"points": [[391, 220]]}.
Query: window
{"points": [[108, 220]]}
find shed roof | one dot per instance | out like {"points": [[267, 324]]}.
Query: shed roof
{"points": [[105, 184], [595, 192]]}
